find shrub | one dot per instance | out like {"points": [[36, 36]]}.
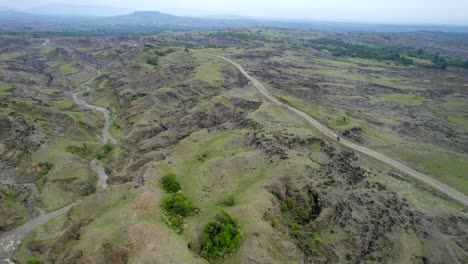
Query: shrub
{"points": [[45, 168], [170, 184], [152, 61], [221, 237], [229, 200], [164, 53], [80, 151], [34, 261], [175, 221], [107, 148], [274, 224], [179, 204], [88, 189], [202, 157]]}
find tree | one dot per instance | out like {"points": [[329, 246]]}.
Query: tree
{"points": [[170, 184], [221, 237]]}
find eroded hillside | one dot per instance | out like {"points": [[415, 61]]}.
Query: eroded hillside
{"points": [[297, 196]]}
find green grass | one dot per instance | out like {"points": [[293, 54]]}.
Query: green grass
{"points": [[68, 69], [311, 109], [449, 169], [12, 55], [51, 91], [458, 110], [63, 104], [209, 70], [5, 90], [13, 200], [405, 99], [117, 129], [70, 174]]}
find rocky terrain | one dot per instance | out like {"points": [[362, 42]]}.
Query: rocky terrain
{"points": [[176, 111]]}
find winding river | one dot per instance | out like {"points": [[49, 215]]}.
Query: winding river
{"points": [[9, 241]]}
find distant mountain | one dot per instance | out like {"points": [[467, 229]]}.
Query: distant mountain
{"points": [[156, 19], [228, 16], [148, 21], [78, 10]]}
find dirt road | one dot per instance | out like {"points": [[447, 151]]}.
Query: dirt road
{"points": [[10, 240], [106, 135], [374, 154]]}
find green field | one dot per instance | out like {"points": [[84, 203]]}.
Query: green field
{"points": [[68, 69]]}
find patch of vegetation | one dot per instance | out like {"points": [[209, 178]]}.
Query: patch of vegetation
{"points": [[202, 157], [88, 190], [106, 149], [400, 54], [63, 104], [176, 207], [245, 36], [83, 151], [300, 214], [45, 168], [5, 89], [179, 204], [153, 61], [68, 69], [221, 237], [342, 121], [14, 200], [406, 99], [50, 91], [34, 261], [170, 184], [229, 200], [208, 71], [161, 53], [175, 221]]}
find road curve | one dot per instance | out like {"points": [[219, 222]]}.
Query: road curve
{"points": [[106, 135], [460, 197], [10, 240]]}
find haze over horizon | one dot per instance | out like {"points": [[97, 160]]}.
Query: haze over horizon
{"points": [[448, 12]]}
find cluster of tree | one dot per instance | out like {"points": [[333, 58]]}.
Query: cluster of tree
{"points": [[152, 61], [221, 237], [401, 54], [243, 36], [176, 206], [159, 53], [162, 53]]}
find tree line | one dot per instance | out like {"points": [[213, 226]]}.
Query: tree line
{"points": [[400, 54]]}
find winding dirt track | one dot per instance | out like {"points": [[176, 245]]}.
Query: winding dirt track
{"points": [[460, 197], [9, 241]]}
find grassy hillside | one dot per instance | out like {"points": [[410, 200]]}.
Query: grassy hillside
{"points": [[253, 181]]}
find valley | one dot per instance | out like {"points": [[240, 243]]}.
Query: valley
{"points": [[127, 149]]}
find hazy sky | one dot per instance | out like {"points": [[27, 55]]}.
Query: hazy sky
{"points": [[388, 11]]}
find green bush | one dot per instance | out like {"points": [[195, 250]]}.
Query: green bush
{"points": [[229, 200], [88, 189], [170, 184], [179, 204], [202, 157], [152, 61], [175, 221], [164, 53], [106, 149], [221, 237], [34, 261], [80, 151]]}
